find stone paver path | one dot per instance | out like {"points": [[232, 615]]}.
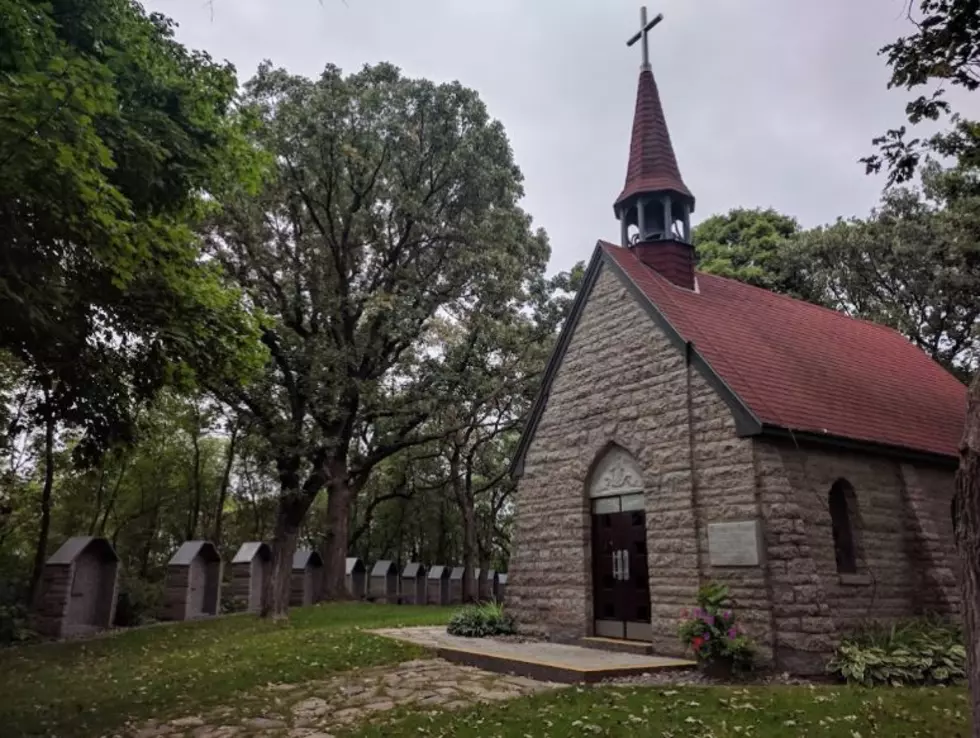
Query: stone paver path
{"points": [[314, 709]]}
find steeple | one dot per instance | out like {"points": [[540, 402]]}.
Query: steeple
{"points": [[654, 209]]}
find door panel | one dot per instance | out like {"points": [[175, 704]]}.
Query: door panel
{"points": [[620, 597]]}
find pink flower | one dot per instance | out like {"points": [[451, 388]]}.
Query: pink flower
{"points": [[685, 613], [732, 633], [708, 618]]}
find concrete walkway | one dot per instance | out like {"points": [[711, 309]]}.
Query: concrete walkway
{"points": [[554, 662]]}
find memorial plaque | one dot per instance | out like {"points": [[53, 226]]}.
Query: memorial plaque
{"points": [[735, 544]]}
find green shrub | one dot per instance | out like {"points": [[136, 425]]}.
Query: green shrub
{"points": [[15, 624], [479, 621], [711, 631], [919, 651], [138, 600]]}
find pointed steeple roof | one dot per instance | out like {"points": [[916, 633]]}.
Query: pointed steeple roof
{"points": [[652, 164]]}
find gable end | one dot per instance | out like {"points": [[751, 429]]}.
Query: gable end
{"points": [[746, 423]]}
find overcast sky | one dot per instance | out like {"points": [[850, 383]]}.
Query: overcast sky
{"points": [[769, 102]]}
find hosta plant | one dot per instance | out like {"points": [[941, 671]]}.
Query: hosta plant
{"points": [[480, 621], [919, 651]]}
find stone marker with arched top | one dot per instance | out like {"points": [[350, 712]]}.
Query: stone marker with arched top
{"points": [[437, 585], [384, 582], [307, 582], [413, 584], [193, 588], [78, 589], [355, 578], [456, 585], [502, 586], [489, 585], [250, 569]]}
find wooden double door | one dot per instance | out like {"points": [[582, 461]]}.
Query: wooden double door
{"points": [[621, 598]]}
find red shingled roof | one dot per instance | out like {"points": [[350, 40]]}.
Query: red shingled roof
{"points": [[805, 368], [652, 164]]}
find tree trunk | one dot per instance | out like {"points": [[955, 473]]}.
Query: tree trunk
{"points": [[225, 481], [293, 505], [442, 547], [195, 511], [471, 589], [41, 549], [150, 537], [967, 521], [334, 548], [467, 509]]}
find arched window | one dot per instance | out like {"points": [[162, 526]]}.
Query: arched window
{"points": [[842, 508]]}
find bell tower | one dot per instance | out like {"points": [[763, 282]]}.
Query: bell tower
{"points": [[654, 209]]}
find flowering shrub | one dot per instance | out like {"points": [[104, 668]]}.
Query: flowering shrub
{"points": [[711, 631]]}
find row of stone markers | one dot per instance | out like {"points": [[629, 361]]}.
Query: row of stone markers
{"points": [[418, 584], [79, 585], [80, 582]]}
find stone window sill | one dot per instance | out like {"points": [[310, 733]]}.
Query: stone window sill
{"points": [[855, 580]]}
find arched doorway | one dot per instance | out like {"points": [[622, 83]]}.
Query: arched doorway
{"points": [[620, 582]]}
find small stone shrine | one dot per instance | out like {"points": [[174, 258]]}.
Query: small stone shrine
{"points": [[355, 577], [490, 586], [502, 587], [78, 587], [437, 585], [413, 584], [384, 582], [306, 585], [193, 586], [456, 585], [250, 569]]}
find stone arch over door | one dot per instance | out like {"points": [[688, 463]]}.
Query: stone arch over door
{"points": [[620, 577]]}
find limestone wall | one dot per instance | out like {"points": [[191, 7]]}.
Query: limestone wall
{"points": [[623, 382], [903, 537], [725, 490]]}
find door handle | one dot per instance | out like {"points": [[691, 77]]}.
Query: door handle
{"points": [[626, 565], [617, 565]]}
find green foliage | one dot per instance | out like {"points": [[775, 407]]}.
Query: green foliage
{"points": [[388, 225], [91, 688], [920, 651], [139, 599], [914, 264], [111, 133], [480, 621], [671, 711], [15, 624], [746, 245], [943, 52], [711, 632]]}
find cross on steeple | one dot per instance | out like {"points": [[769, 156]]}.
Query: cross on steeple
{"points": [[642, 34]]}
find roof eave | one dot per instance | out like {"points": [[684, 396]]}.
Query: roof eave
{"points": [[541, 398], [905, 453]]}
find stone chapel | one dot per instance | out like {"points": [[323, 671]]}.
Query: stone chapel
{"points": [[691, 428]]}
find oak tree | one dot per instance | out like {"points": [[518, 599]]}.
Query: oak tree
{"points": [[390, 207]]}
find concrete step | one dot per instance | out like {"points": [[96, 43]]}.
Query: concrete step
{"points": [[641, 648]]}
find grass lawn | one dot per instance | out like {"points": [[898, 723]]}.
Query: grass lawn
{"points": [[89, 687], [699, 712]]}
